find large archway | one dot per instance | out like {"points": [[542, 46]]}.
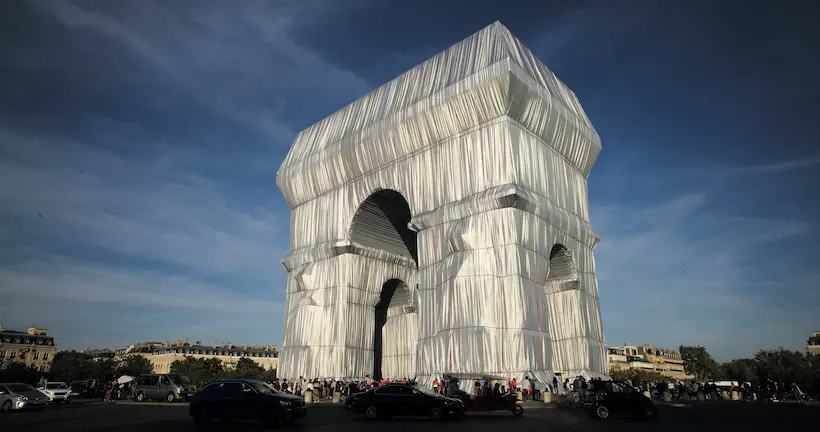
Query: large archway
{"points": [[381, 223]]}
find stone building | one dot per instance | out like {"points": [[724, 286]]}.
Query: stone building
{"points": [[665, 361], [813, 344], [34, 347], [163, 354]]}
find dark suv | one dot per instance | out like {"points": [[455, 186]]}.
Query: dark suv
{"points": [[245, 399], [613, 398]]}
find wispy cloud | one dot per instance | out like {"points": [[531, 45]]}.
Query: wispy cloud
{"points": [[154, 195], [677, 272], [775, 167]]}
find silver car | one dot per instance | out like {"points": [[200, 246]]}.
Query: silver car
{"points": [[18, 396]]}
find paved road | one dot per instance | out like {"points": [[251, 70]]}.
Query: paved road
{"points": [[703, 417]]}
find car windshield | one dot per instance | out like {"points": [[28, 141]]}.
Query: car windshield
{"points": [[56, 385], [79, 384], [180, 379], [20, 388], [423, 389], [262, 387]]}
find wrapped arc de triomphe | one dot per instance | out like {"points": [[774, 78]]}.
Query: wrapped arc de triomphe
{"points": [[440, 225]]}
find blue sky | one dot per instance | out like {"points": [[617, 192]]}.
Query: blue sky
{"points": [[139, 143]]}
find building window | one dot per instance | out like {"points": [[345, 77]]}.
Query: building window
{"points": [[2, 354], [12, 355], [36, 355], [45, 356]]}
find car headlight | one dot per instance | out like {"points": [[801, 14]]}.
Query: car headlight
{"points": [[285, 403], [23, 398]]}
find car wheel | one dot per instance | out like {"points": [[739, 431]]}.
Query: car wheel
{"points": [[170, 398], [435, 413], [602, 412], [7, 406], [518, 410], [68, 401], [140, 397], [651, 412], [371, 412]]}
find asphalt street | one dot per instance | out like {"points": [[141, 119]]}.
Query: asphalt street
{"points": [[700, 417]]}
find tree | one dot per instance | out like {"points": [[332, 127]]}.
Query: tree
{"points": [[134, 365], [739, 370], [247, 368], [70, 366], [198, 370], [698, 362], [636, 376], [102, 370], [19, 372]]}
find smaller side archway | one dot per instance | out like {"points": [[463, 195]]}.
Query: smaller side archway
{"points": [[394, 294], [563, 269]]}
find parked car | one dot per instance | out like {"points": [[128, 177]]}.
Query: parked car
{"points": [[88, 388], [247, 399], [57, 392], [403, 399], [612, 398], [167, 387], [19, 396]]}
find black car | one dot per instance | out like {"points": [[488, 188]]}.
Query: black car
{"points": [[611, 398], [245, 399], [404, 400]]}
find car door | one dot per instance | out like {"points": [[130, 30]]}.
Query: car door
{"points": [[417, 402], [5, 395], [388, 400], [616, 399], [228, 401]]}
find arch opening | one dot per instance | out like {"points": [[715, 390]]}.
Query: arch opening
{"points": [[395, 297], [562, 266], [381, 223]]}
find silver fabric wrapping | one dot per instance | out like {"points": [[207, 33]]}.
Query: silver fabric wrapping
{"points": [[491, 153]]}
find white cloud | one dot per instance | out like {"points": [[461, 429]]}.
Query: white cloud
{"points": [[678, 273]]}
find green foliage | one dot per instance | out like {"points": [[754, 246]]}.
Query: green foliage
{"points": [[698, 362], [70, 366], [636, 376], [14, 372], [135, 365], [199, 370], [247, 368]]}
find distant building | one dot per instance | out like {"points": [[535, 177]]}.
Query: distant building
{"points": [[162, 354], [100, 354], [665, 361], [33, 347], [813, 344]]}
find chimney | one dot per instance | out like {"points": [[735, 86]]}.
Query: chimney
{"points": [[1, 327], [213, 344]]}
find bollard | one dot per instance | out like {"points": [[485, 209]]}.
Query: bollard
{"points": [[337, 396], [754, 396], [667, 396], [519, 396], [547, 397], [735, 395], [700, 396], [724, 395], [713, 395], [647, 394], [308, 396]]}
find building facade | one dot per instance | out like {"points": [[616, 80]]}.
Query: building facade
{"points": [[650, 358], [34, 347], [163, 354], [813, 344]]}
